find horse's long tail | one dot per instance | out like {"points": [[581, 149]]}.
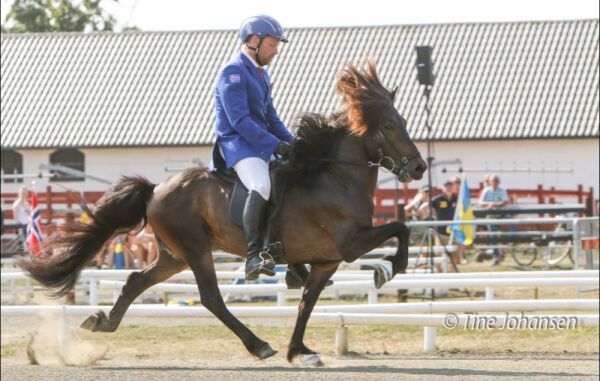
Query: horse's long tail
{"points": [[120, 210]]}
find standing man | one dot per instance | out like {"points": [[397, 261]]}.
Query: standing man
{"points": [[494, 197], [249, 131], [443, 206]]}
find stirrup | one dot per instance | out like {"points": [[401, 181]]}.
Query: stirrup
{"points": [[266, 266], [267, 259]]}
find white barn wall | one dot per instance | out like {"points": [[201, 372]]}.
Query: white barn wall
{"points": [[581, 155], [111, 163]]}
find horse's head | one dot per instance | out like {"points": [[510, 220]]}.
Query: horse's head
{"points": [[370, 113]]}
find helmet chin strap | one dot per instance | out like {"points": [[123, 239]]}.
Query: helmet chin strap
{"points": [[255, 49]]}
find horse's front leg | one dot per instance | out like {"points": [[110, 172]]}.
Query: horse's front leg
{"points": [[319, 275], [367, 239]]}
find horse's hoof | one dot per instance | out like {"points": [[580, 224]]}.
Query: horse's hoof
{"points": [[92, 323], [265, 351], [383, 273], [311, 359]]}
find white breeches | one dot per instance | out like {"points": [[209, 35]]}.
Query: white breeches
{"points": [[254, 174]]}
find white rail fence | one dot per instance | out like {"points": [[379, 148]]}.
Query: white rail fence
{"points": [[114, 279], [418, 314], [422, 314]]}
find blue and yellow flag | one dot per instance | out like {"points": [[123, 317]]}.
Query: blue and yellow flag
{"points": [[463, 234]]}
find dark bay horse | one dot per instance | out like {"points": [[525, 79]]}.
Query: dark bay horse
{"points": [[326, 216]]}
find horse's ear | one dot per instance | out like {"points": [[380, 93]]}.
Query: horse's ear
{"points": [[349, 87], [394, 93]]}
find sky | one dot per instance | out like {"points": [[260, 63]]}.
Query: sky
{"points": [[172, 15]]}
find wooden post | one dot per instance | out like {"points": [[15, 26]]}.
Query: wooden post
{"points": [[402, 296], [341, 340], [400, 212], [580, 194], [540, 192], [551, 199], [48, 203], [589, 203]]}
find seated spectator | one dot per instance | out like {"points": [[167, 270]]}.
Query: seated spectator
{"points": [[144, 247], [116, 254], [412, 210], [494, 197]]}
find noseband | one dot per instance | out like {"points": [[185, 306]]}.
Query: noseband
{"points": [[395, 168]]}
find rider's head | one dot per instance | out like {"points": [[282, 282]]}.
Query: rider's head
{"points": [[261, 35]]}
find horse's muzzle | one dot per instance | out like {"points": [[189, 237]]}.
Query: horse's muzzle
{"points": [[404, 176]]}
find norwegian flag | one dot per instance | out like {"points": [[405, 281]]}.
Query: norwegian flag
{"points": [[34, 228]]}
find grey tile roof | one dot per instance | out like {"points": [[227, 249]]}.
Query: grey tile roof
{"points": [[494, 81]]}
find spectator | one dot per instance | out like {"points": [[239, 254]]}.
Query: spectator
{"points": [[494, 197], [461, 249], [116, 254], [144, 247], [55, 230], [456, 181], [22, 210], [486, 183], [444, 206], [412, 209]]}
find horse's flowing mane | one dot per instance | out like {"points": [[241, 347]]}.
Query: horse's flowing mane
{"points": [[364, 101]]}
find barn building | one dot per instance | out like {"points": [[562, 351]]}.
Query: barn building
{"points": [[518, 98]]}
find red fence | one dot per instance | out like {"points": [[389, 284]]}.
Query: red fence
{"points": [[53, 205], [389, 203]]}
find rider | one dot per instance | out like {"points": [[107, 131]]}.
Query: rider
{"points": [[249, 131]]}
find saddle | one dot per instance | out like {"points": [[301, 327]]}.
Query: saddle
{"points": [[240, 193]]}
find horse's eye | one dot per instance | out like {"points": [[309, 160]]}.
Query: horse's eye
{"points": [[388, 126]]}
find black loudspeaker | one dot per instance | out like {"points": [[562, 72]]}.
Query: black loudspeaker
{"points": [[424, 65]]}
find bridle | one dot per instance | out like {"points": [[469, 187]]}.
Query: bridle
{"points": [[379, 139]]}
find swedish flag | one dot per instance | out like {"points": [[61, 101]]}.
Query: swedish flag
{"points": [[463, 234]]}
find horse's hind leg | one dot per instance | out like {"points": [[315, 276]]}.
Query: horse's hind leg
{"points": [[163, 268], [202, 265]]}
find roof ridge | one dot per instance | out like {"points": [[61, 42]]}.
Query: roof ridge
{"points": [[367, 26]]}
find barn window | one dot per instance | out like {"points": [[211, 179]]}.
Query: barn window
{"points": [[71, 158], [12, 164]]}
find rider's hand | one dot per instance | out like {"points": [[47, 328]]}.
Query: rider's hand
{"points": [[283, 149]]}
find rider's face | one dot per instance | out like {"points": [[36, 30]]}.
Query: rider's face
{"points": [[268, 49]]}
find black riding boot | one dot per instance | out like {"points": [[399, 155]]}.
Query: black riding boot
{"points": [[258, 261]]}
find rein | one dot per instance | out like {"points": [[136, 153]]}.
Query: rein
{"points": [[395, 169]]}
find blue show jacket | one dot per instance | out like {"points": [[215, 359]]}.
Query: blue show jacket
{"points": [[247, 124]]}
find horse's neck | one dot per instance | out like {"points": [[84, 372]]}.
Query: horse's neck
{"points": [[352, 149]]}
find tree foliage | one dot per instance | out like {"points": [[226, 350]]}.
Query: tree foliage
{"points": [[57, 16]]}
